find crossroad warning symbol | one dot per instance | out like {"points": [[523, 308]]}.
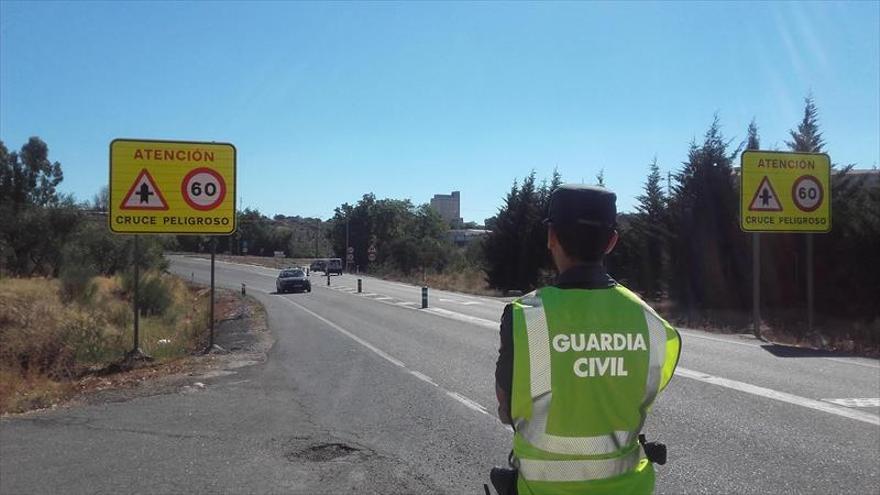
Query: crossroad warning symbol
{"points": [[144, 195], [765, 198]]}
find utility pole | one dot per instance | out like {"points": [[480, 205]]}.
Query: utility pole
{"points": [[346, 244]]}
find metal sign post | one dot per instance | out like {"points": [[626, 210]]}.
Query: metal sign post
{"points": [[211, 311], [756, 283], [810, 283], [136, 348]]}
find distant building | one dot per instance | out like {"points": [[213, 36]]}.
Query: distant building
{"points": [[869, 178], [449, 207], [463, 237]]}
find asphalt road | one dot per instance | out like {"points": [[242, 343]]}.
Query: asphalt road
{"points": [[413, 390]]}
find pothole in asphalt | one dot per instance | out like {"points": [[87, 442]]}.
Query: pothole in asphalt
{"points": [[322, 452]]}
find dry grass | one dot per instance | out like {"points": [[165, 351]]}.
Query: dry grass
{"points": [[45, 342]]}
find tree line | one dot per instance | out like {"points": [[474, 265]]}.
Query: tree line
{"points": [[684, 243], [45, 233], [403, 237]]}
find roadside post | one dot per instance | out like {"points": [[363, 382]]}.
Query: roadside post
{"points": [[783, 192], [172, 187], [360, 287], [424, 297], [136, 352], [327, 272], [211, 310]]}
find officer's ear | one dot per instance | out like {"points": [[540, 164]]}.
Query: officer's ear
{"points": [[552, 240], [612, 242]]}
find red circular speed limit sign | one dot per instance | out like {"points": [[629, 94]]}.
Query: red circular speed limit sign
{"points": [[203, 189], [807, 193]]}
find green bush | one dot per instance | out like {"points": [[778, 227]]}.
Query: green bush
{"points": [[87, 336], [76, 275], [154, 293]]}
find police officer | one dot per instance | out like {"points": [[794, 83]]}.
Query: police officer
{"points": [[581, 362]]}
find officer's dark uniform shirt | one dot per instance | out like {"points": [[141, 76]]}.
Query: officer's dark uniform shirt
{"points": [[584, 276]]}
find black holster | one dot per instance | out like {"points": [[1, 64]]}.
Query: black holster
{"points": [[654, 451], [504, 480]]}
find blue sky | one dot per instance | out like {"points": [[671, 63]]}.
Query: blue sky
{"points": [[327, 101]]}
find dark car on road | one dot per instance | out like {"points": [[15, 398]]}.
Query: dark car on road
{"points": [[292, 280], [318, 265], [334, 265]]}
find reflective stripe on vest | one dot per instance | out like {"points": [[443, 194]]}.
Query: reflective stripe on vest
{"points": [[579, 470], [534, 431], [657, 338]]}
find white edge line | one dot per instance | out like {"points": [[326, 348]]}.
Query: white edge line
{"points": [[467, 402], [422, 377], [872, 402], [463, 317], [780, 396], [691, 333]]}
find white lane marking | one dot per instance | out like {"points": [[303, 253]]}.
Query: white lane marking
{"points": [[462, 317], [423, 377], [780, 396], [406, 303], [417, 288], [384, 298], [857, 363], [690, 333], [863, 402], [467, 402], [458, 301], [348, 334], [716, 339], [369, 294], [470, 404]]}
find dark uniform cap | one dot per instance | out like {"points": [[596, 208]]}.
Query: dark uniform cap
{"points": [[578, 204]]}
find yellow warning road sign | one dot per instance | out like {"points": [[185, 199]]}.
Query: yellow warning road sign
{"points": [[172, 187], [785, 192]]}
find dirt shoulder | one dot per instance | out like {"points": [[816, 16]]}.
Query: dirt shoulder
{"points": [[240, 330]]}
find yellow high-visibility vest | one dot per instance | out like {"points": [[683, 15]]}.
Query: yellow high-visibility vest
{"points": [[588, 364]]}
